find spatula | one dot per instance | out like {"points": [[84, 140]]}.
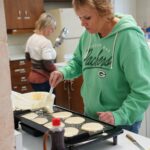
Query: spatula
{"points": [[50, 96], [51, 91]]}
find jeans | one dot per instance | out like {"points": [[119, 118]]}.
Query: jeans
{"points": [[41, 86], [133, 128]]}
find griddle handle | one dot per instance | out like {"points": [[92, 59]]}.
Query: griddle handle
{"points": [[115, 140]]}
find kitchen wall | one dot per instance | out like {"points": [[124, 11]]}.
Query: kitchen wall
{"points": [[16, 45], [143, 12], [138, 8], [125, 6]]}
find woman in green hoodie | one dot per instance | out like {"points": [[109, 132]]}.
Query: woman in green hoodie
{"points": [[113, 58]]}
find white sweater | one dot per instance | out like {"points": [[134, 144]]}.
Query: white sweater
{"points": [[40, 48]]}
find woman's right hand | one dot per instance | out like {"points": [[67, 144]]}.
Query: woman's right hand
{"points": [[55, 78]]}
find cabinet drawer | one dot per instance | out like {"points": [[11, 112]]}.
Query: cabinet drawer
{"points": [[20, 64], [22, 88], [19, 80], [19, 71]]}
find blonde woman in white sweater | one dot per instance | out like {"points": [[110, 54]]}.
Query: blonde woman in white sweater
{"points": [[40, 52]]}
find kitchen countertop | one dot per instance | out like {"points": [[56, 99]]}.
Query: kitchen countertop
{"points": [[36, 143]]}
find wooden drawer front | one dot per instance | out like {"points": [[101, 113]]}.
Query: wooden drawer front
{"points": [[20, 71], [19, 76], [20, 64], [22, 88], [19, 79]]}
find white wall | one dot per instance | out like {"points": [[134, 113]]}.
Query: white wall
{"points": [[125, 6], [138, 8], [143, 12]]}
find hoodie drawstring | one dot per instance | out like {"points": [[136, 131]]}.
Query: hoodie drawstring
{"points": [[113, 51]]}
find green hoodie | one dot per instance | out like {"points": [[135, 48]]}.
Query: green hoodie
{"points": [[116, 72]]}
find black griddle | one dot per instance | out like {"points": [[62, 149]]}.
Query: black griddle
{"points": [[82, 137]]}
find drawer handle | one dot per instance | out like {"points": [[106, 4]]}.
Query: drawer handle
{"points": [[19, 15], [24, 88], [22, 62], [15, 87], [23, 79], [65, 85], [26, 15], [71, 85], [20, 70]]}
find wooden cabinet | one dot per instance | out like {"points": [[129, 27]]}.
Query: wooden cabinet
{"points": [[68, 95], [57, 0], [19, 74], [22, 14]]}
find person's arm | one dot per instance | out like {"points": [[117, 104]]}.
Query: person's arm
{"points": [[49, 65]]}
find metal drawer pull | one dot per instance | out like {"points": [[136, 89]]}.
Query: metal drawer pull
{"points": [[19, 15], [24, 88], [26, 15], [65, 85], [71, 85], [15, 87], [20, 70], [22, 62], [23, 79]]}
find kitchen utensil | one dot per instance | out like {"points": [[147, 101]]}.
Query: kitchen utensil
{"points": [[51, 90], [50, 98], [61, 37], [135, 142]]}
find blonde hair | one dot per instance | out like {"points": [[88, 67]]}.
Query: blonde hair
{"points": [[103, 7], [45, 20]]}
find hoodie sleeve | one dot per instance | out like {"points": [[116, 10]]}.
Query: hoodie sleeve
{"points": [[136, 67]]}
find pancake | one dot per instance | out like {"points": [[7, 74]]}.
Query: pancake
{"points": [[70, 131], [40, 120], [30, 116], [74, 120], [92, 127], [62, 114], [49, 125]]}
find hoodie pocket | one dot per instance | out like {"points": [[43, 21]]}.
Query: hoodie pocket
{"points": [[92, 101]]}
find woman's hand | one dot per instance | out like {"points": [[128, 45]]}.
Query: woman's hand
{"points": [[106, 117], [55, 78]]}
